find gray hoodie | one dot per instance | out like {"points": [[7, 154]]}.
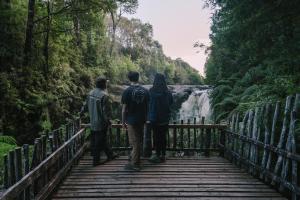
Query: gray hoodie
{"points": [[99, 107]]}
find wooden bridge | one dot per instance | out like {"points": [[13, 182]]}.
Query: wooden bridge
{"points": [[254, 156]]}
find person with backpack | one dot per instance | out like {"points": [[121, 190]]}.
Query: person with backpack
{"points": [[98, 106], [159, 115], [134, 113]]}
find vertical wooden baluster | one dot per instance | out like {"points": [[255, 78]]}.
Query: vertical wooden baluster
{"points": [[26, 168], [236, 139], [202, 134], [254, 137], [266, 122], [67, 137], [6, 172], [126, 138], [272, 140], [222, 147], [243, 133], [207, 142], [110, 137], [37, 183], [195, 134], [174, 137], [181, 136], [168, 139], [189, 136], [294, 172], [12, 167], [290, 144], [127, 143], [231, 138], [249, 134], [118, 136], [19, 164], [283, 135], [19, 168]]}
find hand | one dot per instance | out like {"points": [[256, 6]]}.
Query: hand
{"points": [[124, 125]]}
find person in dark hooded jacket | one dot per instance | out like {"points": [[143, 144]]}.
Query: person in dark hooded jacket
{"points": [[159, 115]]}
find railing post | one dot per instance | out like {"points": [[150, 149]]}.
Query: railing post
{"points": [[174, 137], [222, 147], [26, 168], [147, 140], [12, 167], [6, 176], [181, 136], [118, 136], [202, 134], [195, 135], [207, 142]]}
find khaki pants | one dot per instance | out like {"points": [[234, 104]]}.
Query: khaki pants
{"points": [[135, 134]]}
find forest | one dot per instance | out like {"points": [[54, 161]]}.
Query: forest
{"points": [[254, 56], [52, 50]]}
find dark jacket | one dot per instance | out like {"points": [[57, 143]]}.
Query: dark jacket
{"points": [[160, 107]]}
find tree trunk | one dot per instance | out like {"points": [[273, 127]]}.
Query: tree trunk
{"points": [[46, 41], [114, 26], [29, 33], [77, 30]]}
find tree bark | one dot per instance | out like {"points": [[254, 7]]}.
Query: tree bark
{"points": [[46, 41], [29, 33]]}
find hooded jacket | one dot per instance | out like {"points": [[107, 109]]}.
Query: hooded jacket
{"points": [[99, 108]]}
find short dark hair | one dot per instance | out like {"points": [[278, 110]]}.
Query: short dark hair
{"points": [[101, 82], [133, 76]]}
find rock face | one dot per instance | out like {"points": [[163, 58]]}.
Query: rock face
{"points": [[181, 94]]}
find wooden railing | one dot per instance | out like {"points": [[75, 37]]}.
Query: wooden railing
{"points": [[184, 137], [264, 142], [53, 155]]}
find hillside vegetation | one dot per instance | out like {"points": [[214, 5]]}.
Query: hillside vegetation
{"points": [[51, 52], [254, 57]]}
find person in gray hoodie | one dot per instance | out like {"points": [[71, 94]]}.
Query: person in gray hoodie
{"points": [[98, 106]]}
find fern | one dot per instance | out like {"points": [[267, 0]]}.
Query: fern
{"points": [[8, 140]]}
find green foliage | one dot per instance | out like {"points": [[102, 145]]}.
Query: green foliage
{"points": [[4, 149], [70, 47], [8, 140], [253, 52]]}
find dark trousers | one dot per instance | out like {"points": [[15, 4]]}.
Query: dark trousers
{"points": [[98, 144], [160, 138]]}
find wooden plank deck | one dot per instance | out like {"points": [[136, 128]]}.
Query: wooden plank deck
{"points": [[177, 178]]}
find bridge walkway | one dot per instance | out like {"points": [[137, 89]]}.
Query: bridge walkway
{"points": [[177, 178]]}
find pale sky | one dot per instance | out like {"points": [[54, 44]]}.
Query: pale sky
{"points": [[177, 25]]}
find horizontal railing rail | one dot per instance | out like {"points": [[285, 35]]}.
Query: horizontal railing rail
{"points": [[186, 137]]}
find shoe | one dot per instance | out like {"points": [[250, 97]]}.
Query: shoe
{"points": [[97, 163], [163, 159], [131, 167], [114, 156], [154, 159]]}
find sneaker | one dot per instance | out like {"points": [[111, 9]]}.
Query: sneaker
{"points": [[154, 159], [112, 157], [131, 167], [163, 159], [97, 163]]}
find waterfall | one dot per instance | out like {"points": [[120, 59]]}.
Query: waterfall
{"points": [[196, 106]]}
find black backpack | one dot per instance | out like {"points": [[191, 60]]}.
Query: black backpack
{"points": [[138, 94]]}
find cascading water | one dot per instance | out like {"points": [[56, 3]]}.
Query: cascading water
{"points": [[196, 106]]}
